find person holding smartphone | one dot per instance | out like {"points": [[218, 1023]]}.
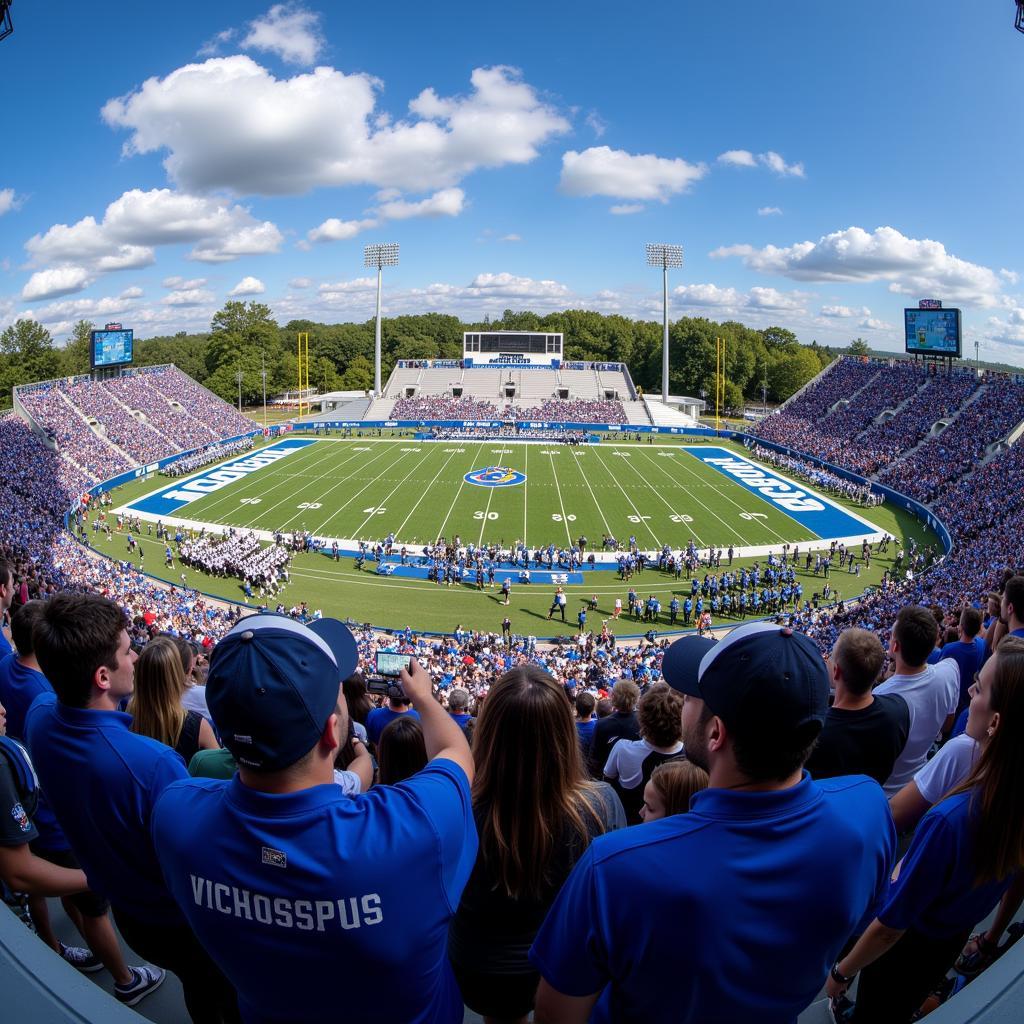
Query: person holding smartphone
{"points": [[385, 680]]}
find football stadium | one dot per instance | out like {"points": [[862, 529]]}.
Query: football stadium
{"points": [[555, 666]]}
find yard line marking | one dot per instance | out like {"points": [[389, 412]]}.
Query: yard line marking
{"points": [[526, 485], [643, 522], [600, 511], [440, 532], [480, 539], [565, 522], [426, 491]]}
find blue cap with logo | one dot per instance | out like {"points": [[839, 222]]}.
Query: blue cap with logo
{"points": [[273, 683], [760, 677]]}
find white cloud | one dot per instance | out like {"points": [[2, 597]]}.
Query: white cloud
{"points": [[49, 284], [775, 163], [624, 209], [595, 124], [511, 238], [179, 283], [1009, 275], [300, 282], [229, 123], [212, 46], [188, 297], [506, 284], [912, 266], [602, 171], [359, 284], [334, 230], [248, 286], [757, 298], [843, 312], [448, 202], [7, 200], [772, 160], [288, 30], [737, 158], [872, 324], [768, 211], [84, 309], [249, 240], [135, 292]]}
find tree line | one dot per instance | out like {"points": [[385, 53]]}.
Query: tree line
{"points": [[244, 338]]}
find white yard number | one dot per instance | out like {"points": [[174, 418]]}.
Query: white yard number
{"points": [[415, 451], [666, 455], [485, 515], [309, 504], [250, 501], [681, 519], [637, 519], [454, 451], [373, 510], [753, 515], [550, 452], [570, 518], [622, 455], [360, 449]]}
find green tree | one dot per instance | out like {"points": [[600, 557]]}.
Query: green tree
{"points": [[858, 347], [790, 372], [358, 376], [74, 357]]}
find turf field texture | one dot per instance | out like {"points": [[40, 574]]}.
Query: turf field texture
{"points": [[365, 489], [408, 490]]}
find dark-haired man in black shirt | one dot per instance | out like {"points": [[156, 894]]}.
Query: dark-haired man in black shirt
{"points": [[863, 733]]}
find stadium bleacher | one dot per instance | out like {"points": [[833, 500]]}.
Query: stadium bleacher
{"points": [[971, 478]]}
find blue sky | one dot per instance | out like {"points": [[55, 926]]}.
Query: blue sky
{"points": [[821, 165]]}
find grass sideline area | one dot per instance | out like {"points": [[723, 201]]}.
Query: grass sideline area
{"points": [[340, 589]]}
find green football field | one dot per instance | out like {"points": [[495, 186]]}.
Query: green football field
{"points": [[364, 489]]}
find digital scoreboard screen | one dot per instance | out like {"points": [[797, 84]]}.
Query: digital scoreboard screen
{"points": [[933, 332], [111, 348]]}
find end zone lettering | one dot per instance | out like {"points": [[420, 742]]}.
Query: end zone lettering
{"points": [[222, 477], [775, 490]]}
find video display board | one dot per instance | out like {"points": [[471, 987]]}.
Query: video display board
{"points": [[111, 348], [933, 332]]}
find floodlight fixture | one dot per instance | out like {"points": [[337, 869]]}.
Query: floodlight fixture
{"points": [[383, 254], [664, 256]]}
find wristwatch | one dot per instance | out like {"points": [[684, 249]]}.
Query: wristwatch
{"points": [[838, 977]]}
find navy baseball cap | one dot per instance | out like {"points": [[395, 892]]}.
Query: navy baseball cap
{"points": [[273, 683], [761, 676]]}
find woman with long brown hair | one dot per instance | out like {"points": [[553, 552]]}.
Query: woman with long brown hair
{"points": [[967, 851], [156, 707], [536, 812]]}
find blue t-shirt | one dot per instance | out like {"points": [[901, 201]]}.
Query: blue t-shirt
{"points": [[348, 897], [19, 686], [733, 912], [970, 657], [934, 891], [380, 718], [586, 731], [5, 644], [461, 720], [102, 781]]}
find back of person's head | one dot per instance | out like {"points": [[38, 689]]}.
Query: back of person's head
{"points": [[585, 704], [859, 655], [458, 700], [995, 779], [186, 651], [155, 706], [401, 752], [6, 574], [914, 631], [76, 635], [970, 622], [530, 783], [660, 716], [23, 623], [625, 694], [356, 697], [675, 782], [604, 707], [1013, 594]]}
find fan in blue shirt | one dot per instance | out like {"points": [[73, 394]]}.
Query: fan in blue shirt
{"points": [[732, 911], [314, 903], [968, 652]]}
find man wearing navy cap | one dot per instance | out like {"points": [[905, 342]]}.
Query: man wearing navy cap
{"points": [[737, 909], [317, 904]]}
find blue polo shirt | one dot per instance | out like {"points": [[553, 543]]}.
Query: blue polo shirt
{"points": [[934, 891], [5, 644], [102, 782], [348, 897], [970, 657], [733, 911], [19, 686], [380, 718], [586, 732]]}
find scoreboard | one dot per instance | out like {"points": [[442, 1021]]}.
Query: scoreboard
{"points": [[933, 332], [110, 348]]}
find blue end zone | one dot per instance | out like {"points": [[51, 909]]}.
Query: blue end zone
{"points": [[812, 511], [167, 501]]}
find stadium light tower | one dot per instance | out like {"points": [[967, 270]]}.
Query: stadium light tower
{"points": [[664, 256], [379, 256]]}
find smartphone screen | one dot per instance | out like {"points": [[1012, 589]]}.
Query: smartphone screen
{"points": [[389, 663]]}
